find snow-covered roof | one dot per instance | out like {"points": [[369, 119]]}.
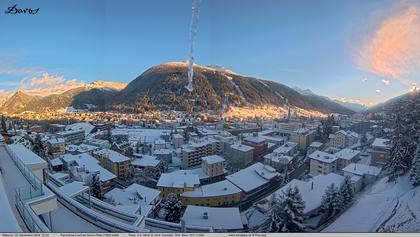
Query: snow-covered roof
{"points": [[91, 164], [177, 136], [162, 152], [112, 155], [279, 158], [134, 194], [73, 189], [361, 169], [213, 159], [347, 154], [178, 180], [140, 134], [82, 148], [255, 139], [203, 142], [286, 148], [146, 161], [60, 175], [56, 162], [197, 171], [313, 189], [253, 177], [316, 144], [220, 188], [323, 157], [219, 218], [56, 140], [69, 132], [27, 156], [1, 138], [381, 142], [241, 147]]}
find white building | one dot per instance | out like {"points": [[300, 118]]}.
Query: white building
{"points": [[135, 199], [177, 140], [322, 163], [361, 174]]}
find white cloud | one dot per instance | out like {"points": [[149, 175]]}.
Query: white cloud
{"points": [[386, 82], [393, 48], [49, 84]]}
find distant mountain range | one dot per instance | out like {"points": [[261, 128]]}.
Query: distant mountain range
{"points": [[96, 92], [162, 87], [389, 104], [356, 107]]}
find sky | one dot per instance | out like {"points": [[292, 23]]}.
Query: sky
{"points": [[354, 50]]}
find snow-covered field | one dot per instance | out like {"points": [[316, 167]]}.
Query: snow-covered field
{"points": [[383, 207]]}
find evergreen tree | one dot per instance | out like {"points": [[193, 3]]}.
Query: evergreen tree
{"points": [[346, 191], [332, 201], [363, 139], [404, 139], [3, 124], [415, 169], [38, 148], [286, 213], [96, 187], [172, 207]]}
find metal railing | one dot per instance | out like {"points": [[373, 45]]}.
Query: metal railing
{"points": [[29, 175], [23, 194], [31, 220]]}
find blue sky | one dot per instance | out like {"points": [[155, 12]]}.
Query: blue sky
{"points": [[310, 44]]}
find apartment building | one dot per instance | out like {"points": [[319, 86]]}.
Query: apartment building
{"points": [[380, 151], [177, 140], [304, 137], [222, 193], [115, 162], [55, 147], [177, 183], [259, 144], [241, 155], [322, 163], [213, 165], [72, 137], [192, 153], [342, 139]]}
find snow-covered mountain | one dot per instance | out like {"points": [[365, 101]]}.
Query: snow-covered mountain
{"points": [[350, 104], [52, 99]]}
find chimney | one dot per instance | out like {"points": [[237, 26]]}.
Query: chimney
{"points": [[205, 215], [312, 185]]}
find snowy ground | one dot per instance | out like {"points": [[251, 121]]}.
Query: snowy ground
{"points": [[64, 220], [384, 207]]}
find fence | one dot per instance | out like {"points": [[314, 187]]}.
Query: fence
{"points": [[22, 195], [31, 220], [29, 175]]}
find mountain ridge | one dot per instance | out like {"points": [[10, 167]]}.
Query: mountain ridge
{"points": [[161, 87]]}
